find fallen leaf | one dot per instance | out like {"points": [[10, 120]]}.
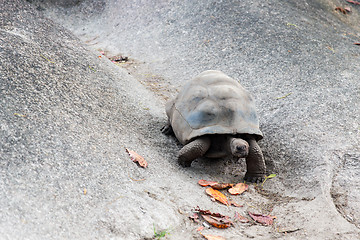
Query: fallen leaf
{"points": [[216, 219], [240, 218], [137, 158], [219, 222], [217, 195], [238, 188], [199, 229], [343, 10], [235, 204], [353, 2], [206, 183], [197, 209], [220, 186], [214, 185], [195, 217], [213, 237], [263, 219]]}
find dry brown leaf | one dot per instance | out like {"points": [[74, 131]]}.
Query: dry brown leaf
{"points": [[216, 219], [206, 183], [235, 204], [263, 219], [206, 212], [199, 229], [219, 222], [353, 2], [343, 10], [195, 217], [240, 218], [220, 186], [137, 158], [213, 237], [214, 185], [238, 188], [217, 195]]}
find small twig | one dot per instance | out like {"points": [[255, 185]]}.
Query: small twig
{"points": [[290, 231], [113, 201], [92, 69], [46, 58], [331, 49], [137, 180], [284, 96], [291, 24], [19, 115]]}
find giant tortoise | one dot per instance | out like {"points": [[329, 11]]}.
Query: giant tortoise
{"points": [[214, 116]]}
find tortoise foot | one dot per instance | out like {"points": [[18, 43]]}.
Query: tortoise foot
{"points": [[254, 178], [167, 130], [184, 163]]}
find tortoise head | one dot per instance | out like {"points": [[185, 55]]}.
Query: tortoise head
{"points": [[239, 147]]}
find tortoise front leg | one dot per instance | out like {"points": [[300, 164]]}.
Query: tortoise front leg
{"points": [[255, 163], [167, 129], [195, 149]]}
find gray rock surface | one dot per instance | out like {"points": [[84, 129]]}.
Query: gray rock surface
{"points": [[67, 114]]}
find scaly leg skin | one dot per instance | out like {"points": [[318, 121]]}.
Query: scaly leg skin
{"points": [[255, 163], [193, 150]]}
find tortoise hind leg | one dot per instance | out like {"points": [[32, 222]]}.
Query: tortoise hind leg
{"points": [[255, 163], [193, 150]]}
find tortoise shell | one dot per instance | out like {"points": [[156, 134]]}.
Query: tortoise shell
{"points": [[212, 103]]}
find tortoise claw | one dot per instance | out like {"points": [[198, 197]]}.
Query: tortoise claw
{"points": [[167, 130]]}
